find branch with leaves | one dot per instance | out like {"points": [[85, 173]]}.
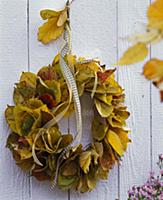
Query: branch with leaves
{"points": [[153, 69]]}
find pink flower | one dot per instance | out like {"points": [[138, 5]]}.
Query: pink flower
{"points": [[152, 189], [161, 157]]}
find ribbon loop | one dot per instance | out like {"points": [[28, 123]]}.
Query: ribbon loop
{"points": [[72, 87]]}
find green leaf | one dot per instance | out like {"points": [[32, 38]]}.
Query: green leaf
{"points": [[27, 124], [66, 183], [98, 130], [30, 78], [9, 115], [85, 161]]}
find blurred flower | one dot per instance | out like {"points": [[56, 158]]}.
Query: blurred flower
{"points": [[152, 189]]}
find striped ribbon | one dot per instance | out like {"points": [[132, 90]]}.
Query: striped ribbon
{"points": [[72, 87]]}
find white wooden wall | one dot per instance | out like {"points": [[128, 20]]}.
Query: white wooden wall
{"points": [[98, 28]]}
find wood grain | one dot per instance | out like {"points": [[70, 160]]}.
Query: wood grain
{"points": [[94, 35], [136, 163], [156, 114], [14, 184], [97, 29], [41, 55]]}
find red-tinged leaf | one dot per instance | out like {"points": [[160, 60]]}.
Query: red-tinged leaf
{"points": [[22, 140], [41, 176], [47, 73], [161, 95], [48, 100], [103, 76]]}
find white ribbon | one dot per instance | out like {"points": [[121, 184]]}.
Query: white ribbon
{"points": [[72, 87]]}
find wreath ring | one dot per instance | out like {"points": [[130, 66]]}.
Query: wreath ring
{"points": [[39, 146]]}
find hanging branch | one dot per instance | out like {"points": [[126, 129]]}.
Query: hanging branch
{"points": [[153, 69]]}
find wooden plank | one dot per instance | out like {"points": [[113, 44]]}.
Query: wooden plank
{"points": [[14, 184], [41, 55], [136, 163], [94, 35], [156, 114]]}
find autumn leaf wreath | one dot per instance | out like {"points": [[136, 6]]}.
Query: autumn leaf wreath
{"points": [[43, 99]]}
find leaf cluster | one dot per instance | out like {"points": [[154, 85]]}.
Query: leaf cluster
{"points": [[41, 97]]}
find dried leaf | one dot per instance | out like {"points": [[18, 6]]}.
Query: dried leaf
{"points": [[155, 15], [49, 92], [102, 174], [103, 76], [70, 169], [41, 176], [27, 124], [150, 35], [66, 182], [106, 98], [30, 78], [62, 18], [99, 148], [85, 75], [153, 70], [53, 135], [116, 121], [54, 27], [25, 165], [23, 93], [9, 115], [91, 180], [47, 73], [95, 156], [66, 140], [134, 54], [114, 140], [108, 159], [123, 135], [85, 161], [24, 153], [12, 141], [103, 109], [98, 130], [47, 14]]}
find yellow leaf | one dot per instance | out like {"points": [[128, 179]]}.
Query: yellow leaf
{"points": [[62, 19], [47, 14], [85, 161], [9, 115], [104, 109], [24, 153], [29, 78], [153, 69], [56, 60], [114, 140], [155, 14], [98, 129], [95, 156], [49, 31], [150, 35], [54, 27], [134, 54], [123, 135], [71, 60]]}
